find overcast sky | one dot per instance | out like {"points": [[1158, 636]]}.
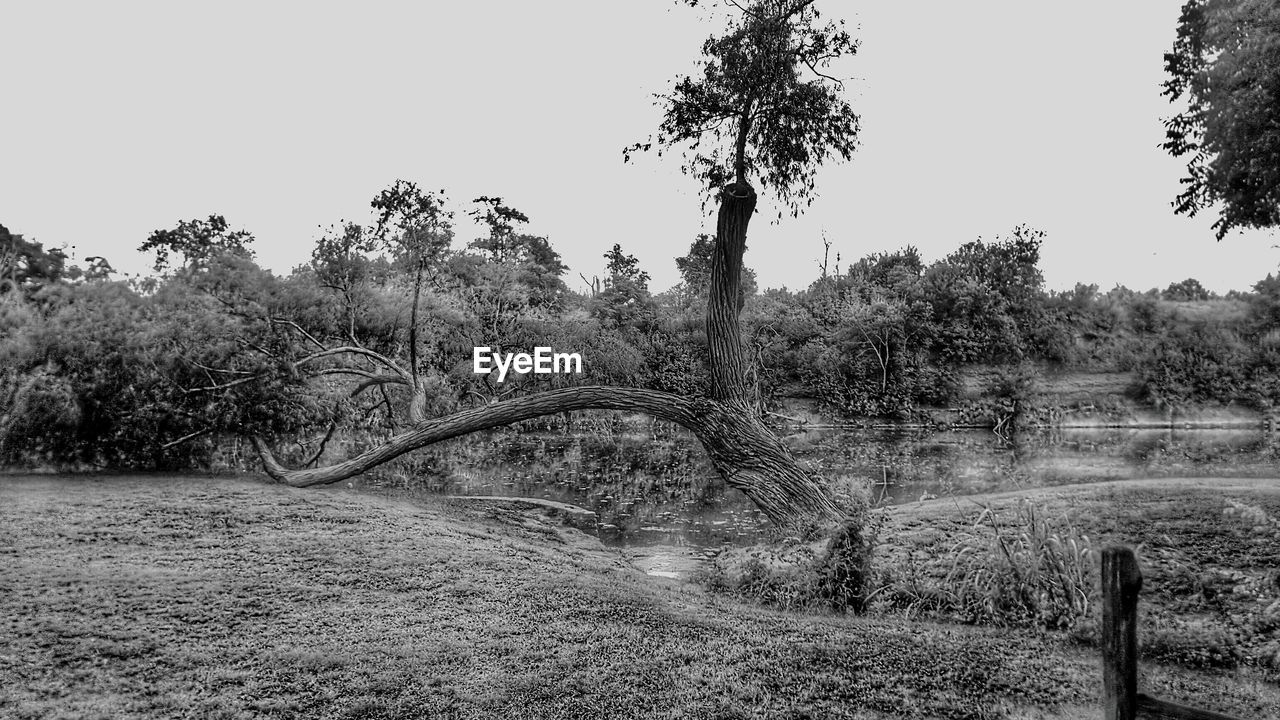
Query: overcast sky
{"points": [[122, 118]]}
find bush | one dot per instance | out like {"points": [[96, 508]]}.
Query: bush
{"points": [[834, 572]]}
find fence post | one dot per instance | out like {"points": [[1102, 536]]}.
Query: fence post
{"points": [[1121, 581]]}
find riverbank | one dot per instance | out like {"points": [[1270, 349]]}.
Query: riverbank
{"points": [[1046, 398], [167, 597]]}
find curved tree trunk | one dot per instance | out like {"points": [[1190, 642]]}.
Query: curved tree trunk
{"points": [[751, 461]]}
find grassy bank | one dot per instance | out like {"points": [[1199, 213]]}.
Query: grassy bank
{"points": [[204, 597], [1209, 550]]}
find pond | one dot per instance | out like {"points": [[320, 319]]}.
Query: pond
{"points": [[656, 487]]}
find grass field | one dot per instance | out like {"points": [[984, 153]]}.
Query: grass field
{"points": [[223, 598]]}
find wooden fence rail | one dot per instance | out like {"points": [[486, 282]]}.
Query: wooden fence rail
{"points": [[1121, 581]]}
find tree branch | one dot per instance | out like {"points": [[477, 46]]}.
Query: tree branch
{"points": [[794, 11], [333, 425], [379, 357], [208, 369], [184, 438], [836, 81], [296, 326], [371, 381], [219, 386]]}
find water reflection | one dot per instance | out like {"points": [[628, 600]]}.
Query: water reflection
{"points": [[657, 488]]}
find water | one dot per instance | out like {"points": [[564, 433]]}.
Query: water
{"points": [[656, 494]]}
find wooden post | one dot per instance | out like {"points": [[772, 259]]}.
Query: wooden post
{"points": [[1121, 581]]}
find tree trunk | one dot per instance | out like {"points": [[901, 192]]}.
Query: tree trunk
{"points": [[724, 336], [741, 449]]}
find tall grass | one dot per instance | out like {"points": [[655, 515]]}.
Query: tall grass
{"points": [[1015, 569]]}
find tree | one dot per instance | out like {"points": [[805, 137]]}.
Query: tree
{"points": [[625, 301], [414, 226], [1265, 303], [695, 272], [1225, 64], [1187, 290], [750, 113], [508, 279], [196, 241], [986, 298]]}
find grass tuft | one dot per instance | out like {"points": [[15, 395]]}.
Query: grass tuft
{"points": [[1015, 568]]}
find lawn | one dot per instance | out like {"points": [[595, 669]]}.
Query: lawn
{"points": [[232, 598]]}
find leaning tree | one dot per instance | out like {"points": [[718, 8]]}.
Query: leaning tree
{"points": [[763, 106]]}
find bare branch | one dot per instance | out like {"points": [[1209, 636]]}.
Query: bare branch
{"points": [[836, 81], [185, 438], [254, 346], [402, 377], [333, 425], [745, 10], [219, 386], [483, 400], [354, 371], [356, 350], [296, 326], [209, 369]]}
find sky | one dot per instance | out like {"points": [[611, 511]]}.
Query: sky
{"points": [[287, 117]]}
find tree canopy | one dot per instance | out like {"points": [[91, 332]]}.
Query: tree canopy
{"points": [[1225, 64], [762, 104], [197, 241]]}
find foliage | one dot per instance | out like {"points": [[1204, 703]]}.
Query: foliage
{"points": [[156, 374], [86, 385], [197, 241], [1225, 64], [26, 266], [1187, 290], [763, 104], [984, 296], [695, 277], [625, 301], [1206, 363]]}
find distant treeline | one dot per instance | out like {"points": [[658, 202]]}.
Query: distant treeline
{"points": [[159, 371]]}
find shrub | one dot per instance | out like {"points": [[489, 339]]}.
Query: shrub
{"points": [[834, 572]]}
